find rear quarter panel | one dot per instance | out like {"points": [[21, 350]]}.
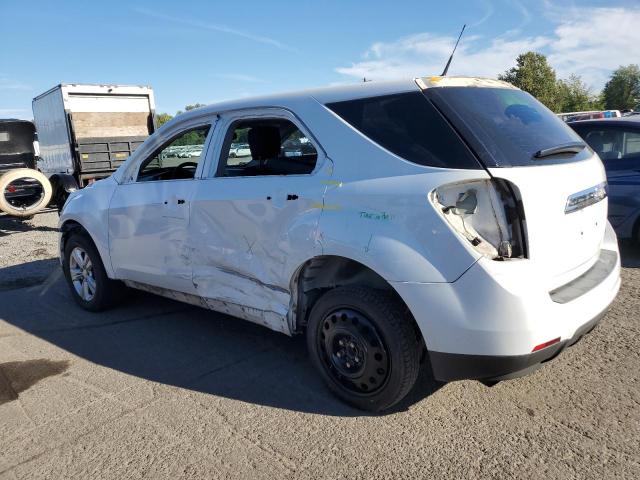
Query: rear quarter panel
{"points": [[377, 209]]}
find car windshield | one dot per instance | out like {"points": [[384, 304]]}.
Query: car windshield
{"points": [[507, 127]]}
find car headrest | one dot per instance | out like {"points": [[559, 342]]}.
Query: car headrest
{"points": [[264, 142], [610, 137], [596, 143]]}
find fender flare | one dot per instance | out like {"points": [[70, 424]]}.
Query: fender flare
{"points": [[66, 181]]}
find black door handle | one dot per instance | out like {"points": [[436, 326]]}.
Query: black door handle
{"points": [[292, 197], [180, 201]]}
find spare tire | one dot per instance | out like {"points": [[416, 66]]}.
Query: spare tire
{"points": [[24, 192]]}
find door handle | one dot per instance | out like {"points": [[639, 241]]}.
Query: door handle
{"points": [[180, 201], [292, 197]]}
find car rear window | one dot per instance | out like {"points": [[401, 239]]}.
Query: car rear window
{"points": [[505, 127], [409, 126]]}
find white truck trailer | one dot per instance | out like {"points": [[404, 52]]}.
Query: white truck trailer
{"points": [[86, 131]]}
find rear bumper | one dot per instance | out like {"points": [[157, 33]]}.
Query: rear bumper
{"points": [[486, 324], [452, 366]]}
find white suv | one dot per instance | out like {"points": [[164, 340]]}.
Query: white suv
{"points": [[450, 219]]}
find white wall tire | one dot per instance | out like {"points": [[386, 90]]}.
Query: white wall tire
{"points": [[28, 207]]}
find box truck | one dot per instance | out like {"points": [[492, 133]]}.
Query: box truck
{"points": [[86, 131]]}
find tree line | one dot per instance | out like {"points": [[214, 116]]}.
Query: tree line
{"points": [[162, 118], [532, 73]]}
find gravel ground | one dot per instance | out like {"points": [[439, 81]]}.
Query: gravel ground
{"points": [[158, 389], [27, 249]]}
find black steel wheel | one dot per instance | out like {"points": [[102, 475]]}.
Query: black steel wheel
{"points": [[353, 351], [364, 344]]}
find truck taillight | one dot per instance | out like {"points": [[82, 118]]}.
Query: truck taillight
{"points": [[486, 214]]}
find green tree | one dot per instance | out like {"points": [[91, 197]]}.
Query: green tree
{"points": [[190, 107], [533, 74], [162, 118], [195, 105], [622, 91], [573, 95]]}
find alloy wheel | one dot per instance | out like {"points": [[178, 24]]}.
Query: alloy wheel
{"points": [[81, 272]]}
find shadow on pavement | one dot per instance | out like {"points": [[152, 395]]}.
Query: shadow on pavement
{"points": [[27, 274], [629, 254], [10, 225], [176, 344]]}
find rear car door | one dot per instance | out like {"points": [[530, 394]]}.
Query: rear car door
{"points": [[254, 220], [149, 215]]}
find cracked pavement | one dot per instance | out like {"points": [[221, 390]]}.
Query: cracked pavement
{"points": [[159, 389]]}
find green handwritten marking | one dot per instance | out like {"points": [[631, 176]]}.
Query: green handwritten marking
{"points": [[332, 182], [376, 216]]}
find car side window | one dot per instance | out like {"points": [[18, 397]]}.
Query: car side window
{"points": [[632, 144], [257, 147], [613, 143], [176, 160]]}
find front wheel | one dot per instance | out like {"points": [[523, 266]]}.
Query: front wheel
{"points": [[363, 343], [90, 286]]}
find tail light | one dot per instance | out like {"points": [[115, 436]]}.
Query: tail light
{"points": [[486, 214]]}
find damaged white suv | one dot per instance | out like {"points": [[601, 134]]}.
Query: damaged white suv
{"points": [[450, 219]]}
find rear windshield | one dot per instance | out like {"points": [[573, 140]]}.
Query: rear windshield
{"points": [[505, 127], [409, 126]]}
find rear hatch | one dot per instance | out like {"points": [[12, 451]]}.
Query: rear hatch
{"points": [[557, 177]]}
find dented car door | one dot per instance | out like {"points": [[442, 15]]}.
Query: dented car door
{"points": [[248, 234], [149, 215]]}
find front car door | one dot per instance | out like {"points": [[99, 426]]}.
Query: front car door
{"points": [[149, 212], [254, 219]]}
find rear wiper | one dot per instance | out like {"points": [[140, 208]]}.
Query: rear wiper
{"points": [[571, 147]]}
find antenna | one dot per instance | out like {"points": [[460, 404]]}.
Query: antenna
{"points": [[446, 69]]}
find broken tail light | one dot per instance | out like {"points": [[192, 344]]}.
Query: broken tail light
{"points": [[486, 214]]}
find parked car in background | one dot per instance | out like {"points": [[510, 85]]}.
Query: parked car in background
{"points": [[617, 143], [240, 150], [587, 115], [454, 219]]}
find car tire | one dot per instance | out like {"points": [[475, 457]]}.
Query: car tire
{"points": [[32, 207], [364, 344], [84, 271]]}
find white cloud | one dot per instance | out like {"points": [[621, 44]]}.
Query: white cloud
{"points": [[8, 84], [590, 42], [596, 41], [15, 113], [213, 27], [426, 54]]}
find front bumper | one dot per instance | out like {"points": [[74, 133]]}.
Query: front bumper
{"points": [[486, 324]]}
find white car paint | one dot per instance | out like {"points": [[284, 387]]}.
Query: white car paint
{"points": [[229, 248]]}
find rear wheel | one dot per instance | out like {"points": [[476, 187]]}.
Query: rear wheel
{"points": [[363, 343], [90, 286]]}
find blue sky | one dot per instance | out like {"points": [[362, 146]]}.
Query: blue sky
{"points": [[197, 51]]}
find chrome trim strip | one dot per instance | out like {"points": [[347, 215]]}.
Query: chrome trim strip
{"points": [[584, 198]]}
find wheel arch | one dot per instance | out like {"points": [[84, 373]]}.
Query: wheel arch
{"points": [[321, 273], [71, 225]]}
